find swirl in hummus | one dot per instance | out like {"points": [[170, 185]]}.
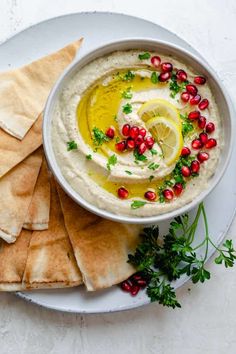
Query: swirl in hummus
{"points": [[107, 133]]}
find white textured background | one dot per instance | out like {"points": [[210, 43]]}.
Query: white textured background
{"points": [[207, 321]]}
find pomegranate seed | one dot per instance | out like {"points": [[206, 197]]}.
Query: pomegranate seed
{"points": [[185, 96], [156, 61], [191, 89], [195, 100], [136, 277], [134, 132], [139, 140], [164, 76], [210, 127], [168, 194], [122, 193], [134, 290], [181, 75], [178, 189], [185, 170], [130, 143], [197, 144], [203, 104], [204, 138], [142, 283], [194, 115], [149, 195], [185, 151], [211, 143], [110, 133], [149, 141], [121, 146], [202, 156], [142, 131], [142, 148], [166, 67], [199, 80], [125, 286], [201, 122], [195, 166], [126, 129]]}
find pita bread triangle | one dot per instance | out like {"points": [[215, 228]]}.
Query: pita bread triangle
{"points": [[24, 91], [100, 246], [51, 262]]}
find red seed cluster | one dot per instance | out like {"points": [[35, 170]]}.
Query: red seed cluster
{"points": [[135, 138], [134, 284]]}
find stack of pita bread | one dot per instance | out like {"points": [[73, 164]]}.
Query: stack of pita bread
{"points": [[46, 239]]}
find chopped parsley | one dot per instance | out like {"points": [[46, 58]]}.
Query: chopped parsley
{"points": [[127, 108], [154, 78], [150, 178], [115, 118], [187, 126], [127, 93], [99, 137], [153, 166], [71, 145], [129, 76], [175, 87], [139, 157], [89, 157], [144, 56], [153, 152], [137, 204], [117, 139], [128, 172], [112, 160]]}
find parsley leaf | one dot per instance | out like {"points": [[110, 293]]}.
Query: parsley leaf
{"points": [[128, 172], [153, 152], [150, 178], [71, 145], [99, 137], [154, 78], [89, 157], [139, 157], [153, 166], [144, 56], [127, 93], [129, 76], [187, 126], [127, 108], [175, 87], [137, 204], [112, 160]]}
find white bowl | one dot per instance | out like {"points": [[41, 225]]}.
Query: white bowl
{"points": [[221, 96]]}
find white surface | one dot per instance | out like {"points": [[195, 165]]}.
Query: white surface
{"points": [[207, 321]]}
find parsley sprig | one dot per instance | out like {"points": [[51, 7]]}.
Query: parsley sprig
{"points": [[166, 260], [176, 87], [99, 137], [71, 145]]}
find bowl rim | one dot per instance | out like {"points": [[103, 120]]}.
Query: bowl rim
{"points": [[54, 167]]}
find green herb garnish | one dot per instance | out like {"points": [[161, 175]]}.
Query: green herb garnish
{"points": [[153, 152], [127, 93], [137, 204], [150, 178], [99, 137], [112, 160], [144, 56], [127, 108], [89, 157], [128, 172], [161, 262], [139, 157], [187, 126], [129, 76], [71, 145], [175, 87], [154, 78], [153, 166]]}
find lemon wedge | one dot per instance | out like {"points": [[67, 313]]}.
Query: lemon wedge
{"points": [[159, 107], [168, 135]]}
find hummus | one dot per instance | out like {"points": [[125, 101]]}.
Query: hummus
{"points": [[109, 93]]}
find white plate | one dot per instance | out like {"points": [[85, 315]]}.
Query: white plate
{"points": [[97, 29]]}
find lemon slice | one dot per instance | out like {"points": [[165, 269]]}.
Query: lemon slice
{"points": [[159, 107], [168, 135]]}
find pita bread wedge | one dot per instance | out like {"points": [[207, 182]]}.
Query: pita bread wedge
{"points": [[24, 91], [37, 217], [16, 190], [51, 262], [13, 151], [12, 262], [101, 247]]}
